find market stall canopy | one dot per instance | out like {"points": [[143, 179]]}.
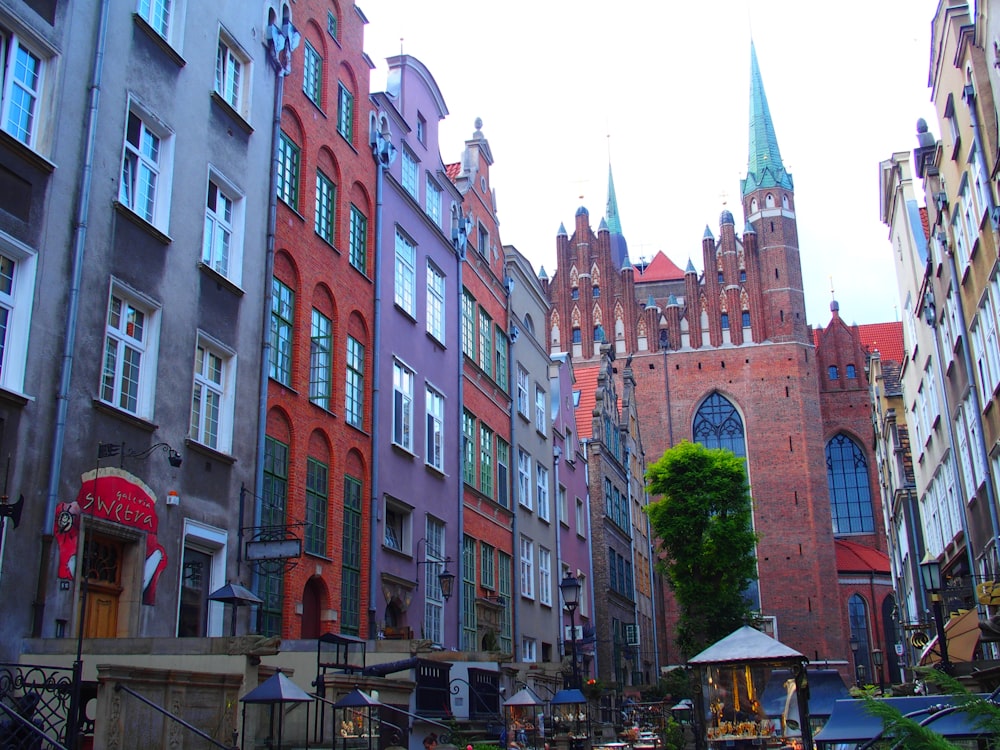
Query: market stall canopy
{"points": [[277, 689], [746, 644], [524, 697], [962, 634], [356, 699], [568, 696], [826, 687], [851, 721]]}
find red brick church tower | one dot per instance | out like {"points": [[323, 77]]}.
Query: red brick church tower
{"points": [[727, 359]]}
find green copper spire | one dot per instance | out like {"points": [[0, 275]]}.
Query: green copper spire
{"points": [[765, 168], [614, 225]]}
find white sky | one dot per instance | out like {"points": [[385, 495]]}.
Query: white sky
{"points": [[669, 82]]}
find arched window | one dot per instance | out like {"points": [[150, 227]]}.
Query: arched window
{"points": [[597, 291], [717, 424], [753, 205], [725, 321], [576, 336], [833, 372], [746, 318], [664, 341], [574, 293], [769, 200], [851, 372], [857, 610], [850, 494]]}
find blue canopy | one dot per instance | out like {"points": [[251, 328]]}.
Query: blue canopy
{"points": [[851, 721]]}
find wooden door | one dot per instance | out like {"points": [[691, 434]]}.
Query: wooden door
{"points": [[102, 566]]}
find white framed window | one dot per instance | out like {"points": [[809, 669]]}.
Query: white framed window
{"points": [[405, 277], [398, 526], [345, 112], [18, 264], [411, 173], [542, 491], [128, 375], [222, 244], [325, 207], [523, 406], [541, 416], [282, 330], [22, 75], [432, 201], [435, 429], [147, 156], [402, 405], [233, 74], [355, 386], [563, 507], [212, 397], [203, 570], [527, 568], [544, 576], [529, 650], [524, 495], [320, 359], [434, 598], [165, 17], [435, 302], [581, 520], [312, 74], [485, 342]]}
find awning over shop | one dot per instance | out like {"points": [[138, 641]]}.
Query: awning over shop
{"points": [[962, 634], [851, 721]]}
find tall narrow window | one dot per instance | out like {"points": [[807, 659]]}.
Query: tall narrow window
{"points": [[282, 312], [210, 411], [432, 201], [435, 429], [129, 368], [312, 74], [405, 276], [158, 14], [542, 492], [218, 229], [527, 568], [21, 79], [433, 599], [402, 406], [142, 164], [544, 576], [288, 171], [326, 197], [410, 173], [359, 240], [355, 386], [524, 494], [350, 576], [850, 493], [320, 354], [486, 460], [229, 77], [273, 503], [500, 374], [487, 566], [435, 302], [503, 472], [317, 479], [485, 342], [345, 112], [522, 391], [468, 448], [857, 612], [541, 417], [505, 574], [468, 324]]}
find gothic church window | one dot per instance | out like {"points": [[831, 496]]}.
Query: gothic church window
{"points": [[717, 424], [852, 373], [575, 293], [832, 372], [753, 206], [769, 201], [597, 291], [850, 494], [725, 321], [746, 318]]}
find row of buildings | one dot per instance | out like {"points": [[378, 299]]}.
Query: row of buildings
{"points": [[291, 353], [936, 419]]}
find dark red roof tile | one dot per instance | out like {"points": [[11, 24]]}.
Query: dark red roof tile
{"points": [[857, 558]]}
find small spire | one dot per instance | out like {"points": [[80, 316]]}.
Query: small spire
{"points": [[562, 230], [614, 223], [603, 226], [748, 229], [541, 273], [672, 301], [690, 267], [708, 234], [651, 302], [627, 264]]}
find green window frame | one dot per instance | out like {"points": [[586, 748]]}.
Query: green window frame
{"points": [[317, 505], [289, 159], [350, 581], [358, 255], [282, 323], [326, 201], [345, 112]]}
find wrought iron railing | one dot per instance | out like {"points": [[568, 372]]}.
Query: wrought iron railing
{"points": [[35, 702]]}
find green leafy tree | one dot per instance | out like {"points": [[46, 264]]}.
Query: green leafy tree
{"points": [[706, 538]]}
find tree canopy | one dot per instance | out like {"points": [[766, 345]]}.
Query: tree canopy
{"points": [[703, 522]]}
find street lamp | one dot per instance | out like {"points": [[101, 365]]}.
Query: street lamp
{"points": [[446, 579], [877, 660], [570, 587], [930, 573]]}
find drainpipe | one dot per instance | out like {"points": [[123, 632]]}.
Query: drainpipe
{"points": [[631, 543], [556, 455], [72, 314], [459, 240], [590, 550], [385, 154], [514, 501]]}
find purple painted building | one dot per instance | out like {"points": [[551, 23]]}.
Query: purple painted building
{"points": [[417, 475]]}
